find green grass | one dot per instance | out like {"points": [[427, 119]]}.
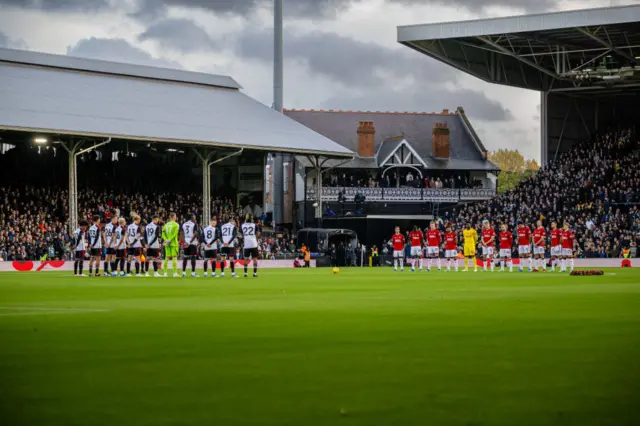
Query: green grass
{"points": [[305, 348]]}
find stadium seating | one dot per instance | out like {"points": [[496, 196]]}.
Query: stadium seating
{"points": [[594, 186]]}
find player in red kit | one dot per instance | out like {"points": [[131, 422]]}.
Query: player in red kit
{"points": [[556, 245], [451, 248], [568, 241], [433, 246], [397, 241], [506, 242], [488, 243], [524, 245], [539, 246], [416, 237]]}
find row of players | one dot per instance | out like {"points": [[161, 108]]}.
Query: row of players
{"points": [[562, 242], [125, 244]]}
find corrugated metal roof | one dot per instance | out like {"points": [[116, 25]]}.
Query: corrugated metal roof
{"points": [[116, 68], [50, 99], [519, 24]]}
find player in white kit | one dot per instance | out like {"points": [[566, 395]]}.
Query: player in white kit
{"points": [[109, 244], [120, 247], [229, 233], [95, 245], [152, 244], [250, 233], [134, 245], [190, 233], [211, 239], [79, 246]]}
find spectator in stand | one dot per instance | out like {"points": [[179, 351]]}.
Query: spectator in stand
{"points": [[594, 187]]}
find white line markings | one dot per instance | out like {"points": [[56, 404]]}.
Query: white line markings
{"points": [[33, 310]]}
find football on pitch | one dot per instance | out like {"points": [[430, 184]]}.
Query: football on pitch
{"points": [[336, 270]]}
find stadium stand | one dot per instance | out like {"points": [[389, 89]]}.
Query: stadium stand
{"points": [[594, 187], [34, 213]]}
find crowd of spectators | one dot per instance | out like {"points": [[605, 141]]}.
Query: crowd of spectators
{"points": [[33, 221], [354, 178], [594, 187]]}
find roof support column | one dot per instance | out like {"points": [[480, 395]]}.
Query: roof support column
{"points": [[278, 189], [73, 151], [318, 209], [206, 156], [564, 125], [544, 128]]}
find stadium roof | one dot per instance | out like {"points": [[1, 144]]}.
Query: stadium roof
{"points": [[466, 150], [536, 52], [63, 95]]}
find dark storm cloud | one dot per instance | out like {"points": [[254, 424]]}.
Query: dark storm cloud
{"points": [[314, 9], [373, 72], [151, 9], [179, 34], [117, 50], [60, 5], [343, 59], [431, 98], [530, 6]]}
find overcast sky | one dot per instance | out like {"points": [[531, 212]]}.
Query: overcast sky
{"points": [[340, 54]]}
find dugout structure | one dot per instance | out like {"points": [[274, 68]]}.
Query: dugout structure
{"points": [[583, 63], [84, 104]]}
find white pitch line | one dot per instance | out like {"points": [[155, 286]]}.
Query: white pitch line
{"points": [[30, 308], [21, 314]]}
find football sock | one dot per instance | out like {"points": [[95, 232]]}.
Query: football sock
{"points": [[205, 265], [75, 267], [184, 264], [128, 267], [137, 267], [420, 262], [90, 268], [122, 265], [232, 265], [155, 266], [246, 266], [571, 261], [439, 263], [106, 266], [255, 269], [222, 265], [80, 266], [165, 264], [213, 266], [174, 265], [193, 264]]}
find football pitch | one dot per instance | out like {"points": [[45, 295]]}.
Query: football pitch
{"points": [[305, 347]]}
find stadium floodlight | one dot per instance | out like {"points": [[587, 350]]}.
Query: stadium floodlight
{"points": [[40, 139]]}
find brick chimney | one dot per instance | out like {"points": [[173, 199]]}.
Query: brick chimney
{"points": [[440, 140], [366, 136]]}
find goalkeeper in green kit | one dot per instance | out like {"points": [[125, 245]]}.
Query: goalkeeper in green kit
{"points": [[170, 232]]}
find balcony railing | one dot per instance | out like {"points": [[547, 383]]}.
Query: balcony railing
{"points": [[442, 195]]}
